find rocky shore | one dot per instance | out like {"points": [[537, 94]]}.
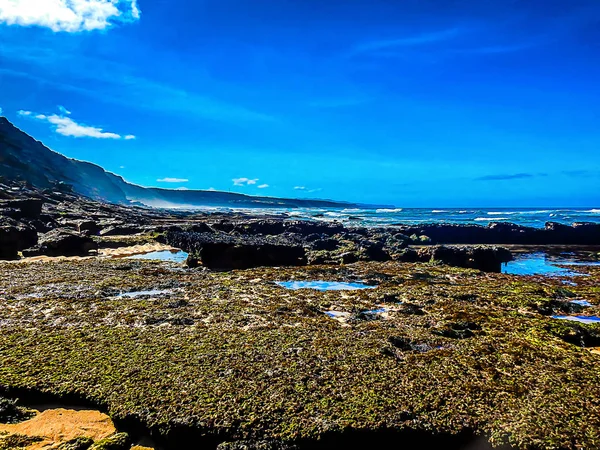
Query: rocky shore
{"points": [[433, 346]]}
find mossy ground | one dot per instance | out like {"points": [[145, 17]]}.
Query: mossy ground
{"points": [[233, 354]]}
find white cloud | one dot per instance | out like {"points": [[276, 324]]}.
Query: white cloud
{"points": [[172, 180], [263, 186], [135, 10], [68, 15], [68, 127], [304, 188], [212, 189], [130, 137], [0, 110], [64, 111], [182, 188], [121, 167], [244, 181]]}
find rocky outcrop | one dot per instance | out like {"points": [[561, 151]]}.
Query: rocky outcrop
{"points": [[507, 233], [223, 251], [27, 208], [15, 236], [484, 258], [62, 242]]}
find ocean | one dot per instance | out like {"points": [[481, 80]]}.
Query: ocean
{"points": [[530, 217]]}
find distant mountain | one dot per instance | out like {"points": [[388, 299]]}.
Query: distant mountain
{"points": [[22, 158]]}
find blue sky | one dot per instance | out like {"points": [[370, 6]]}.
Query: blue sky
{"points": [[412, 103]]}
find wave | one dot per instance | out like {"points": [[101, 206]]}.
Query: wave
{"points": [[384, 210], [593, 211], [437, 211], [501, 213], [490, 219]]}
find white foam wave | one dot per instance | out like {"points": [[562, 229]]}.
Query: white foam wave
{"points": [[385, 210], [490, 219], [501, 213], [438, 211], [593, 211]]}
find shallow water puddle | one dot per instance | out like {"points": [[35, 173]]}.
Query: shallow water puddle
{"points": [[544, 264], [148, 293], [581, 302], [323, 285], [177, 256], [580, 319]]}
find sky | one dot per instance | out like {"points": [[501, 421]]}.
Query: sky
{"points": [[414, 103]]}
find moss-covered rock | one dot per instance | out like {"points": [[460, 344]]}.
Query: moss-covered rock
{"points": [[119, 441], [17, 441], [80, 443]]}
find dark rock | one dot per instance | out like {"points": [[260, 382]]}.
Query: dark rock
{"points": [[88, 227], [411, 309], [582, 233], [247, 255], [348, 257], [390, 298], [485, 258], [62, 242], [458, 330], [576, 334], [373, 251], [11, 413], [554, 306], [408, 345], [192, 262], [29, 208], [15, 236], [222, 251], [406, 255], [177, 304], [325, 244]]}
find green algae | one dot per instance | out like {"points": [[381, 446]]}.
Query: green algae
{"points": [[118, 441], [80, 443], [17, 441], [262, 362]]}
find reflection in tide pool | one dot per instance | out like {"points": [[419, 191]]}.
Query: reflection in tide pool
{"points": [[543, 264], [149, 293], [163, 255], [323, 285], [580, 319]]}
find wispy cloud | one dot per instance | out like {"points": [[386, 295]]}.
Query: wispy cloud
{"points": [[68, 127], [305, 189], [172, 180], [511, 176], [1, 110], [68, 15], [407, 41], [244, 181], [114, 83], [581, 173], [498, 49], [263, 186], [64, 111]]}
